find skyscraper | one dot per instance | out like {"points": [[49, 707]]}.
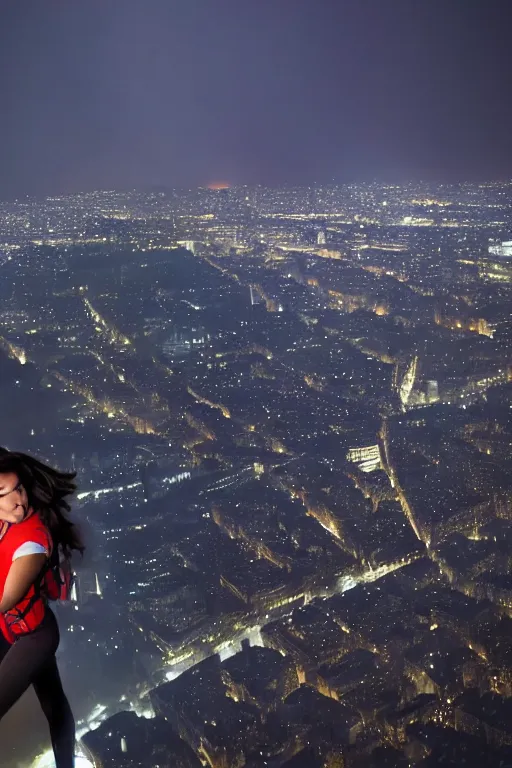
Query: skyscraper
{"points": [[432, 391]]}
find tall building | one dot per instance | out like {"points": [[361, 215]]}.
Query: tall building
{"points": [[404, 378], [432, 391], [86, 584]]}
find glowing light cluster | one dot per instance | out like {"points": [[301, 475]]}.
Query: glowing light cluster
{"points": [[48, 761]]}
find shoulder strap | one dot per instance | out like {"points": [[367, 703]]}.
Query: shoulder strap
{"points": [[35, 597]]}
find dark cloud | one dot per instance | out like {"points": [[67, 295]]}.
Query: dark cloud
{"points": [[119, 93]]}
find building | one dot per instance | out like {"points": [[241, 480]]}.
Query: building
{"points": [[128, 741], [502, 249], [367, 458], [432, 391]]}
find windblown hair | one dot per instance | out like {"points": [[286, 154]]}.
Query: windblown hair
{"points": [[47, 490]]}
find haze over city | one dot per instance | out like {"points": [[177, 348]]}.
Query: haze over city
{"points": [[255, 290], [122, 94]]}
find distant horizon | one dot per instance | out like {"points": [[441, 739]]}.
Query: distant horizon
{"points": [[127, 94], [220, 187]]}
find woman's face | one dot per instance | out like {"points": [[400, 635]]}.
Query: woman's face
{"points": [[13, 498]]}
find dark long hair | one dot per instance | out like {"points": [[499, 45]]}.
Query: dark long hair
{"points": [[47, 490]]}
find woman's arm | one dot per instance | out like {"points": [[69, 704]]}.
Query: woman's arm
{"points": [[22, 574]]}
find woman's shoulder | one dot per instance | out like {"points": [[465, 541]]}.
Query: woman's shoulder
{"points": [[32, 528], [36, 523]]}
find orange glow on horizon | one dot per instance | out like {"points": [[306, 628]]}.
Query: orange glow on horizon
{"points": [[216, 185]]}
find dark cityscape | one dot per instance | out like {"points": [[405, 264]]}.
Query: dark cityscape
{"points": [[279, 361]]}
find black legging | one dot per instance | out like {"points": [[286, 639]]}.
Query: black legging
{"points": [[31, 661]]}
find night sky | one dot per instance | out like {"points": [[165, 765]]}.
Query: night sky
{"points": [[135, 93]]}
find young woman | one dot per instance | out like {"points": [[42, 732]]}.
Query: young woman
{"points": [[33, 525]]}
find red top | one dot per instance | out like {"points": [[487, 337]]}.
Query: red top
{"points": [[16, 622]]}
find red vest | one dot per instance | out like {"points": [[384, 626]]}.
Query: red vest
{"points": [[29, 612]]}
